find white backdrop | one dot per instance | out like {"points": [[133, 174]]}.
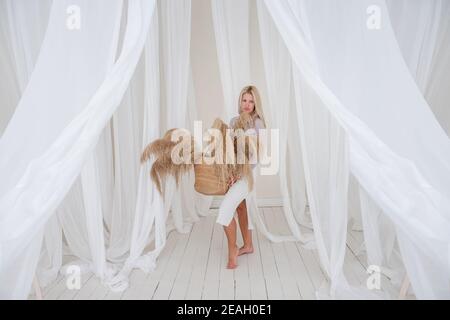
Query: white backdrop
{"points": [[343, 117]]}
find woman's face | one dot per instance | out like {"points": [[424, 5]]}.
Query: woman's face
{"points": [[247, 103]]}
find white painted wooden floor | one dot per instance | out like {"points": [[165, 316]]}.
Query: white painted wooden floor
{"points": [[192, 266]]}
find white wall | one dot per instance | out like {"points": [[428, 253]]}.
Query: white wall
{"points": [[208, 88]]}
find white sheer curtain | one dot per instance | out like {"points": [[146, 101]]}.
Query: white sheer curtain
{"points": [[295, 174], [52, 161], [202, 203], [126, 145], [437, 95], [422, 29], [149, 212], [51, 257], [358, 110], [90, 181], [404, 171], [379, 239], [178, 102], [22, 29], [106, 191], [418, 27], [324, 145], [176, 38], [155, 217], [231, 29], [277, 66], [22, 24]]}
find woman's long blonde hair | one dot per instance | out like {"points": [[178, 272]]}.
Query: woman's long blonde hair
{"points": [[258, 111]]}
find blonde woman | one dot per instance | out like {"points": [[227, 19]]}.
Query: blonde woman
{"points": [[234, 200]]}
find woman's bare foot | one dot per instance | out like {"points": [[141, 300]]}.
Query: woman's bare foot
{"points": [[245, 250], [232, 258]]}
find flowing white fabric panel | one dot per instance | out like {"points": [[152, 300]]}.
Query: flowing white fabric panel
{"points": [[105, 156], [90, 182], [277, 65], [231, 29], [379, 238], [296, 177], [437, 94], [325, 158], [117, 164], [176, 38], [22, 28], [29, 120], [191, 199], [354, 205], [40, 173], [71, 216], [9, 89], [417, 25], [422, 29], [127, 146], [149, 210], [51, 256], [323, 145], [26, 24], [202, 203], [398, 151], [80, 218]]}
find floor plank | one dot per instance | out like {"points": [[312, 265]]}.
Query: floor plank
{"points": [[270, 271], [299, 271], [214, 264], [148, 288], [193, 266], [166, 282], [197, 279], [188, 261], [276, 219]]}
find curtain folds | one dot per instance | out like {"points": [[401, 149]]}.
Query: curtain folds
{"points": [[52, 164], [277, 66], [22, 24], [399, 173], [363, 131], [231, 29]]}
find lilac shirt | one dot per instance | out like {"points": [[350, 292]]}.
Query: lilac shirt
{"points": [[258, 124]]}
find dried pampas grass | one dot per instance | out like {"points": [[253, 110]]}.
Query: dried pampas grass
{"points": [[161, 150]]}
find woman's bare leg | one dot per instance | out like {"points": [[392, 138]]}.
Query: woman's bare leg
{"points": [[243, 225], [230, 232]]}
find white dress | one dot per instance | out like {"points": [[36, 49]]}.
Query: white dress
{"points": [[238, 192]]}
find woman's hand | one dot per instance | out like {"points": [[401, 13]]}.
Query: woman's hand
{"points": [[233, 180]]}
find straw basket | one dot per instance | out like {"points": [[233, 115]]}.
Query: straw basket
{"points": [[207, 181]]}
